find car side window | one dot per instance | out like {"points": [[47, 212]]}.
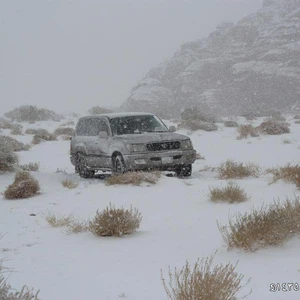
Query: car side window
{"points": [[91, 127]]}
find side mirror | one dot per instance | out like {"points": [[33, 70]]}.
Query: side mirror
{"points": [[172, 128], [103, 134]]}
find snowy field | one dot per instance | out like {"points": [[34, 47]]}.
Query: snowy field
{"points": [[179, 223]]}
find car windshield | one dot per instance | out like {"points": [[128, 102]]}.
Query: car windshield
{"points": [[137, 125]]}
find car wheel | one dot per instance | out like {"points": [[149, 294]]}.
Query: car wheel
{"points": [[184, 171], [119, 165], [81, 167]]}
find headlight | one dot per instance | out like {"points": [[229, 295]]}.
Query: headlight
{"points": [[187, 144], [136, 147]]}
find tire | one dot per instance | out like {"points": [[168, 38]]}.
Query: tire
{"points": [[82, 168], [184, 171], [118, 165]]}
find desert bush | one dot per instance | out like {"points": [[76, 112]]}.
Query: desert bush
{"points": [[198, 114], [38, 138], [277, 118], [297, 122], [24, 186], [8, 159], [274, 128], [244, 131], [56, 221], [37, 131], [287, 141], [30, 167], [68, 123], [289, 173], [8, 293], [16, 131], [296, 117], [268, 226], [31, 113], [199, 156], [64, 131], [13, 144], [231, 124], [204, 281], [67, 183], [115, 221], [231, 193], [97, 110], [134, 178], [234, 170], [197, 125]]}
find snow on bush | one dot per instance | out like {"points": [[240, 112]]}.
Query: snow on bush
{"points": [[231, 193], [274, 128], [234, 170], [259, 228], [64, 131], [97, 110], [30, 167], [8, 159], [134, 178], [197, 125], [13, 144], [115, 221], [231, 124], [24, 186], [31, 113], [204, 281], [244, 131], [67, 183]]}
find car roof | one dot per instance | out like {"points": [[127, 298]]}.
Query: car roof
{"points": [[120, 114]]}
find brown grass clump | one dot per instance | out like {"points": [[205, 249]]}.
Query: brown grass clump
{"points": [[56, 221], [64, 131], [204, 281], [234, 170], [231, 124], [244, 131], [194, 125], [115, 221], [231, 193], [24, 186], [271, 127], [13, 144], [30, 167], [289, 173], [38, 138], [268, 226], [134, 178], [67, 183]]}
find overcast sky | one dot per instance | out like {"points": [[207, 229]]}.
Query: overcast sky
{"points": [[73, 54]]}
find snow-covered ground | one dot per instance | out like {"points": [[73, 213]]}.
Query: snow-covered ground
{"points": [[179, 223]]}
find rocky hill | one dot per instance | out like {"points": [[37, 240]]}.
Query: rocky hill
{"points": [[248, 66]]}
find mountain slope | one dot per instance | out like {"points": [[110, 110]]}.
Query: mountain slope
{"points": [[252, 65]]}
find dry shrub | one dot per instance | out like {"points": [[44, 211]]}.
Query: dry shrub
{"points": [[289, 173], [297, 117], [97, 110], [277, 118], [268, 226], [8, 159], [67, 183], [30, 167], [274, 128], [199, 156], [38, 138], [56, 221], [16, 131], [76, 226], [40, 131], [8, 293], [231, 124], [24, 186], [64, 131], [231, 193], [204, 281], [115, 221], [197, 125], [69, 123], [13, 144], [134, 178], [244, 131], [31, 113], [287, 141], [203, 114], [234, 170], [297, 122]]}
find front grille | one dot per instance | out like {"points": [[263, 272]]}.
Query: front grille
{"points": [[163, 146]]}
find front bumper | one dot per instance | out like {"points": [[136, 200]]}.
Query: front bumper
{"points": [[167, 160]]}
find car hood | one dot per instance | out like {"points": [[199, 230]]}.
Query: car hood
{"points": [[152, 137]]}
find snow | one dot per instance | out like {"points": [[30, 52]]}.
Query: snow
{"points": [[179, 223]]}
